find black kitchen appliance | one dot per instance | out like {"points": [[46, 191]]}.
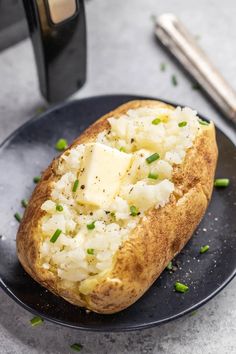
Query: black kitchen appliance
{"points": [[58, 32]]}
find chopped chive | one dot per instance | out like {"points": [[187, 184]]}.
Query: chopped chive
{"points": [[35, 321], [40, 110], [174, 80], [59, 207], [204, 249], [61, 144], [153, 157], [55, 235], [181, 288], [77, 347], [91, 226], [202, 122], [90, 250], [36, 179], [169, 266], [182, 124], [196, 86], [18, 217], [163, 67], [75, 185], [133, 211], [153, 175], [221, 182], [156, 121], [113, 214], [122, 149], [24, 203]]}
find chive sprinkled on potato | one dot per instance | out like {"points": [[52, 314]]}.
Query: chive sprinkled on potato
{"points": [[182, 124], [24, 203], [61, 144], [18, 217], [59, 207], [221, 182], [202, 122], [35, 321], [76, 347], [55, 235], [181, 288], [153, 158], [90, 251], [156, 121], [133, 211], [204, 249], [122, 149], [36, 179], [75, 185], [153, 175], [91, 226]]}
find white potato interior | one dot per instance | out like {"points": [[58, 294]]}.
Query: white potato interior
{"points": [[90, 235]]}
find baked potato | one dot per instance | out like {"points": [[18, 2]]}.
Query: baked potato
{"points": [[112, 211]]}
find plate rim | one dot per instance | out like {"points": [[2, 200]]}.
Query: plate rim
{"points": [[123, 328]]}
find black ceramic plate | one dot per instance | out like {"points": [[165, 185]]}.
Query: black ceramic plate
{"points": [[30, 149]]}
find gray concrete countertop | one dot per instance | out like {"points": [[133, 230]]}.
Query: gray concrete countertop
{"points": [[124, 58]]}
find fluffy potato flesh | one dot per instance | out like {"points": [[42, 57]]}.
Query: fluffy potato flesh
{"points": [[105, 259]]}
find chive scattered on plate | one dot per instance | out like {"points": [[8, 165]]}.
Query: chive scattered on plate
{"points": [[153, 158], [36, 179], [75, 185], [35, 321], [153, 175], [174, 80], [55, 235], [90, 251], [169, 266], [202, 122], [91, 226], [18, 217], [182, 124], [61, 144], [24, 203], [181, 288], [204, 249], [59, 207], [221, 182], [156, 121], [77, 347], [133, 211]]}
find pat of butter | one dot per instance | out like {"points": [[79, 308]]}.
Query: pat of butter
{"points": [[102, 169]]}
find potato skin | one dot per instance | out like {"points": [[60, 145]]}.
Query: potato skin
{"points": [[160, 235]]}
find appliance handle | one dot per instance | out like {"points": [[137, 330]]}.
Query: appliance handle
{"points": [[174, 36], [58, 33]]}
